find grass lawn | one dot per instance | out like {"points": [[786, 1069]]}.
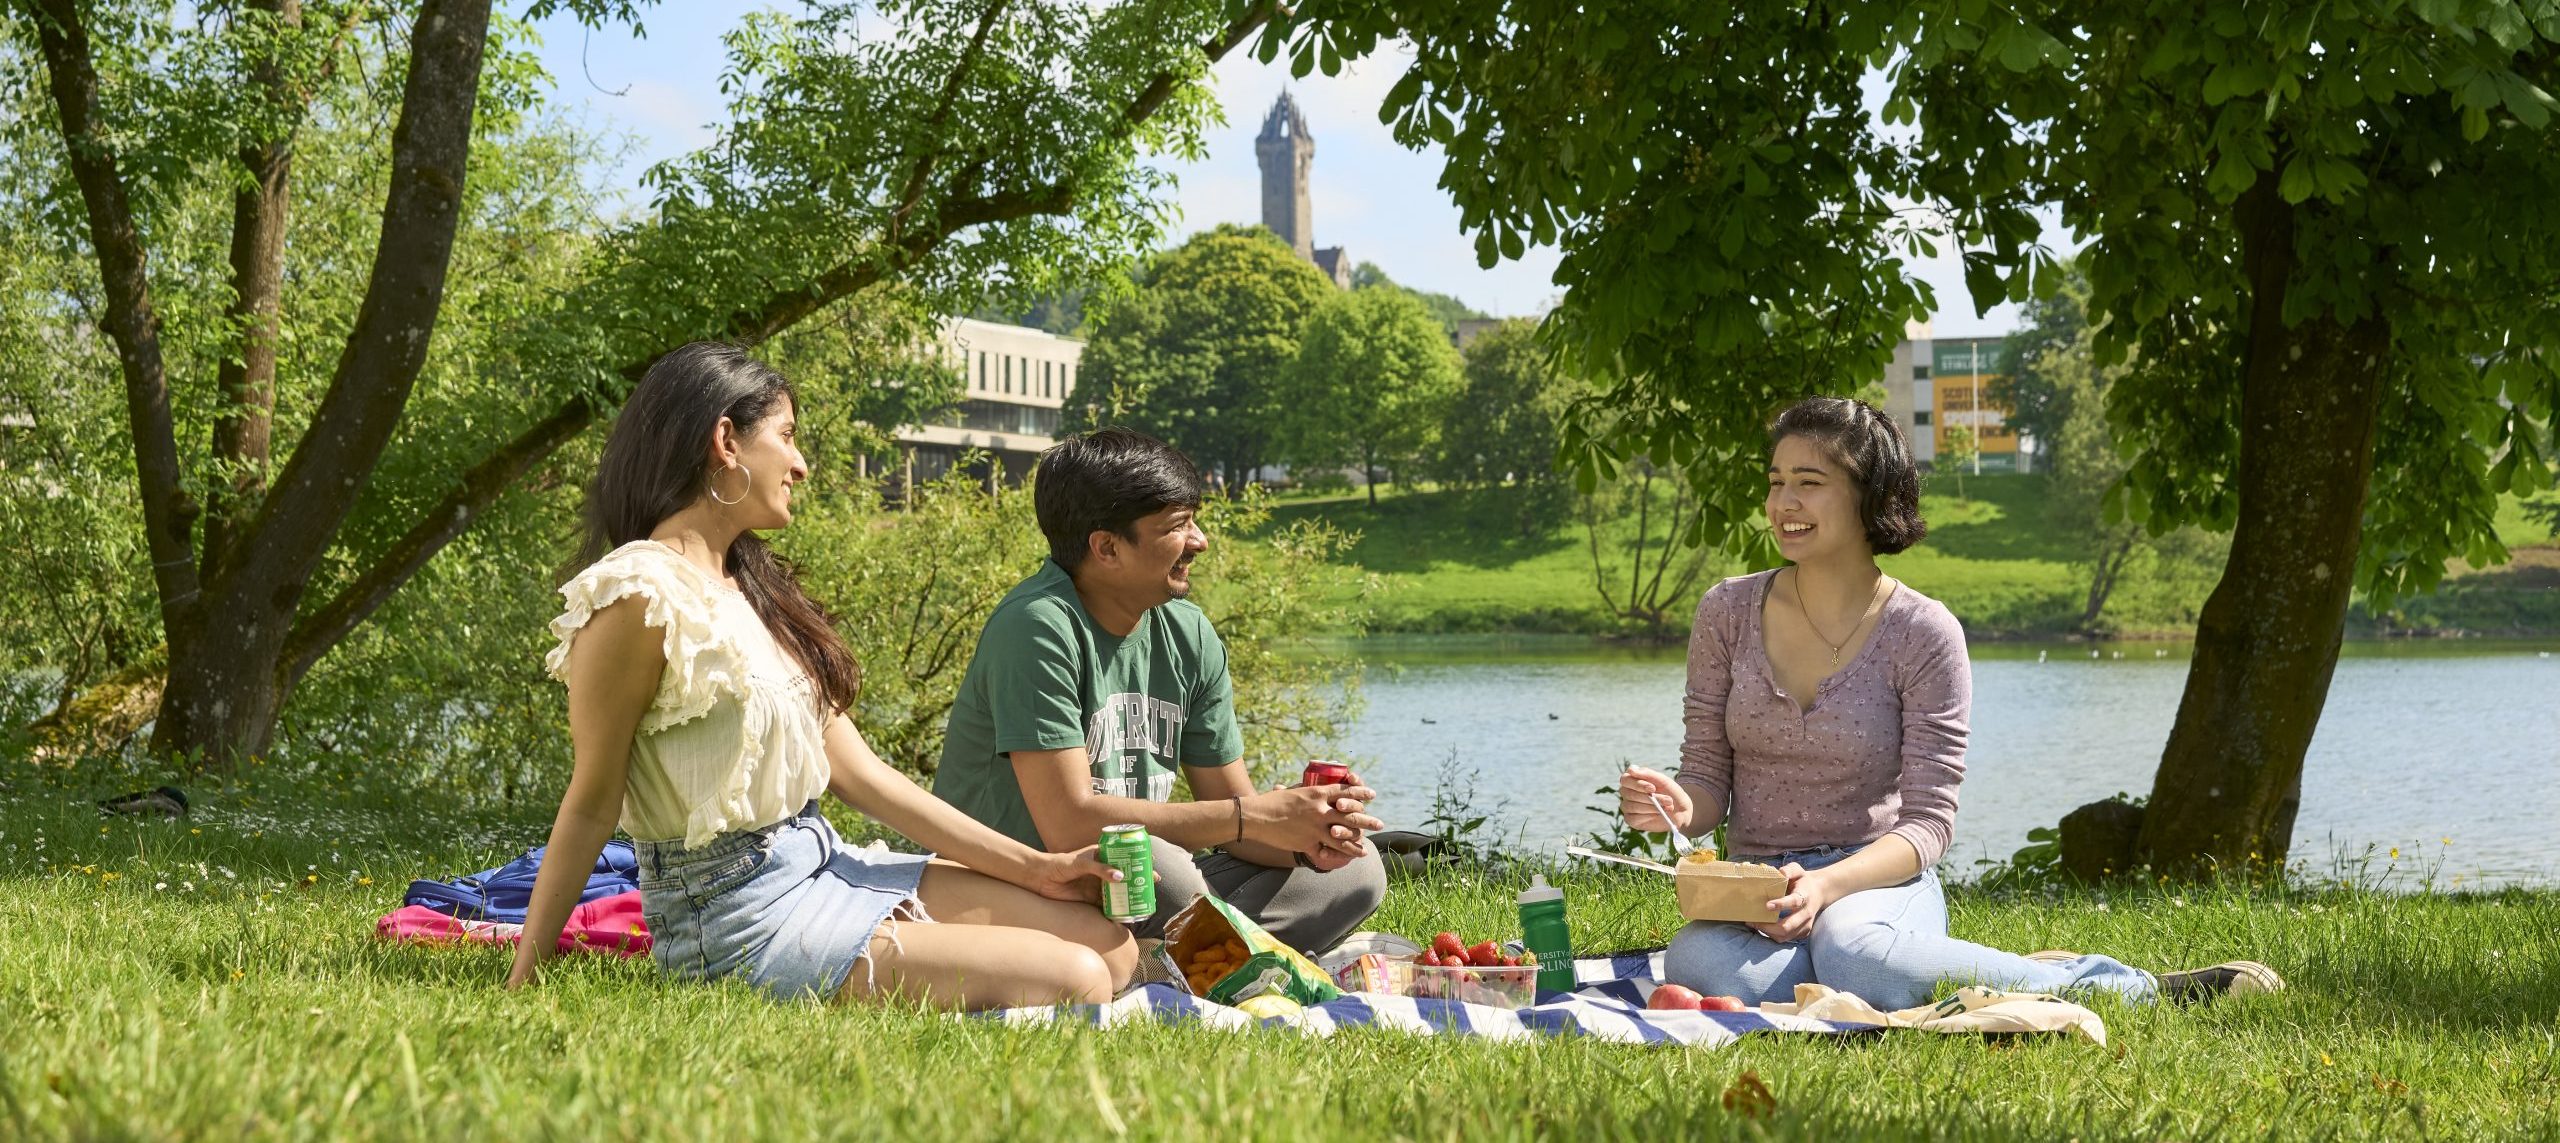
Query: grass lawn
{"points": [[219, 978], [1458, 561]]}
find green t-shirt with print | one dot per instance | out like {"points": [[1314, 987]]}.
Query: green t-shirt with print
{"points": [[1047, 677]]}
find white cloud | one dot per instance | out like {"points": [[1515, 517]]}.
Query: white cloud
{"points": [[1209, 196], [675, 119]]}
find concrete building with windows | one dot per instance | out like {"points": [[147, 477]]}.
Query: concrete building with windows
{"points": [[1935, 384], [1014, 384], [1961, 371], [1907, 391]]}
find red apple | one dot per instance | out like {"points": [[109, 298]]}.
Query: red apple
{"points": [[1720, 1004], [1672, 997]]}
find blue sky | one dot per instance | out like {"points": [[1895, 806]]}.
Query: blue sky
{"points": [[1371, 194]]}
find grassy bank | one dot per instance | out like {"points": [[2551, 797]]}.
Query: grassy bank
{"points": [[1462, 562], [219, 978]]}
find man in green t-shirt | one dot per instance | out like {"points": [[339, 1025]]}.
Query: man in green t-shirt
{"points": [[1096, 685]]}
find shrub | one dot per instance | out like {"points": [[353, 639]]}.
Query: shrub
{"points": [[911, 586]]}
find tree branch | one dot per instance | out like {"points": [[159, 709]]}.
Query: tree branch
{"points": [[244, 420], [1599, 567], [1670, 547], [168, 515], [484, 482], [275, 556], [479, 487], [921, 176]]}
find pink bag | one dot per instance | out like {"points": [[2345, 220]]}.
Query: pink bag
{"points": [[606, 924]]}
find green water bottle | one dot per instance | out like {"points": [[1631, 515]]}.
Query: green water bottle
{"points": [[1543, 929]]}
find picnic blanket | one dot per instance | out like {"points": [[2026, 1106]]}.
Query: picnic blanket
{"points": [[1607, 1003], [607, 924]]}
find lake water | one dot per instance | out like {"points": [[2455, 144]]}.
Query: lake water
{"points": [[2448, 750]]}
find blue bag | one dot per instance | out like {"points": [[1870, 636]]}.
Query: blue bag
{"points": [[502, 894]]}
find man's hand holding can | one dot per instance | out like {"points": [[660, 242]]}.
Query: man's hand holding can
{"points": [[1344, 844]]}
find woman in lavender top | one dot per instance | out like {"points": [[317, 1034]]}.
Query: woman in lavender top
{"points": [[1826, 710]]}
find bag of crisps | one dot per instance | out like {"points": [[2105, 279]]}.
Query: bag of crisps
{"points": [[1222, 956]]}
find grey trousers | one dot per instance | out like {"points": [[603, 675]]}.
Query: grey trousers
{"points": [[1309, 911]]}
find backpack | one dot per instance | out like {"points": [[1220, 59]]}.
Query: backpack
{"points": [[503, 893]]}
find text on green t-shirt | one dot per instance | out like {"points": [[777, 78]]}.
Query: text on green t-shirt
{"points": [[1046, 677]]}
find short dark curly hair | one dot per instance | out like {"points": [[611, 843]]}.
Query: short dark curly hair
{"points": [[1872, 449]]}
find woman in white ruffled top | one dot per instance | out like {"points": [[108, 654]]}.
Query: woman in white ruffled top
{"points": [[707, 715]]}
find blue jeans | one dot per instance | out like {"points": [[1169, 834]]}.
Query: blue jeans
{"points": [[1887, 946]]}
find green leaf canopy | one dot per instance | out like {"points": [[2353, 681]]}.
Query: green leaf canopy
{"points": [[1729, 185]]}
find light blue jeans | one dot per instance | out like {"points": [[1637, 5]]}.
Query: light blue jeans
{"points": [[1888, 946]]}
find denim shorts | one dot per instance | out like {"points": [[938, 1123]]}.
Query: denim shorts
{"points": [[785, 907]]}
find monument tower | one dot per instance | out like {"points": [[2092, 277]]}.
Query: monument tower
{"points": [[1285, 149]]}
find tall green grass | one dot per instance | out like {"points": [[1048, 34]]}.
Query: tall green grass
{"points": [[219, 978]]}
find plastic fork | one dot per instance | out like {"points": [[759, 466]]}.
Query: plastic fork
{"points": [[1679, 841]]}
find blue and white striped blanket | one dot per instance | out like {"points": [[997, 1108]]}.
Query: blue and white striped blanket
{"points": [[1607, 1003]]}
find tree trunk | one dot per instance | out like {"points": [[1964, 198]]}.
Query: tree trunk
{"points": [[131, 320], [2102, 580], [2230, 779], [226, 686], [1644, 535], [243, 423], [219, 709]]}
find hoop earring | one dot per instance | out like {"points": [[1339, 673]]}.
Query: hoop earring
{"points": [[713, 486]]}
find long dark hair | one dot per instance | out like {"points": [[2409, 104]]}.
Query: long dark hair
{"points": [[653, 468]]}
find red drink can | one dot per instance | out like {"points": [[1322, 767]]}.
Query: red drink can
{"points": [[1323, 773]]}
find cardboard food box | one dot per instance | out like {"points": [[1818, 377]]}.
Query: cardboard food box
{"points": [[1235, 960], [1712, 890]]}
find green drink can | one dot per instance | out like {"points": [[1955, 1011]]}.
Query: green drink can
{"points": [[1128, 849]]}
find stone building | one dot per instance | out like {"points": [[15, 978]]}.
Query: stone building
{"points": [[1285, 150]]}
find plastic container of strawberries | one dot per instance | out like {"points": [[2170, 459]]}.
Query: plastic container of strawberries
{"points": [[1513, 986]]}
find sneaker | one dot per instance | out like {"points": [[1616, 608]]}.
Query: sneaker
{"points": [[2230, 978], [165, 802]]}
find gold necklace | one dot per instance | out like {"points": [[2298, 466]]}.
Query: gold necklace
{"points": [[1874, 596]]}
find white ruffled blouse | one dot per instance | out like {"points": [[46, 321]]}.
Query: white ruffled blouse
{"points": [[732, 741]]}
